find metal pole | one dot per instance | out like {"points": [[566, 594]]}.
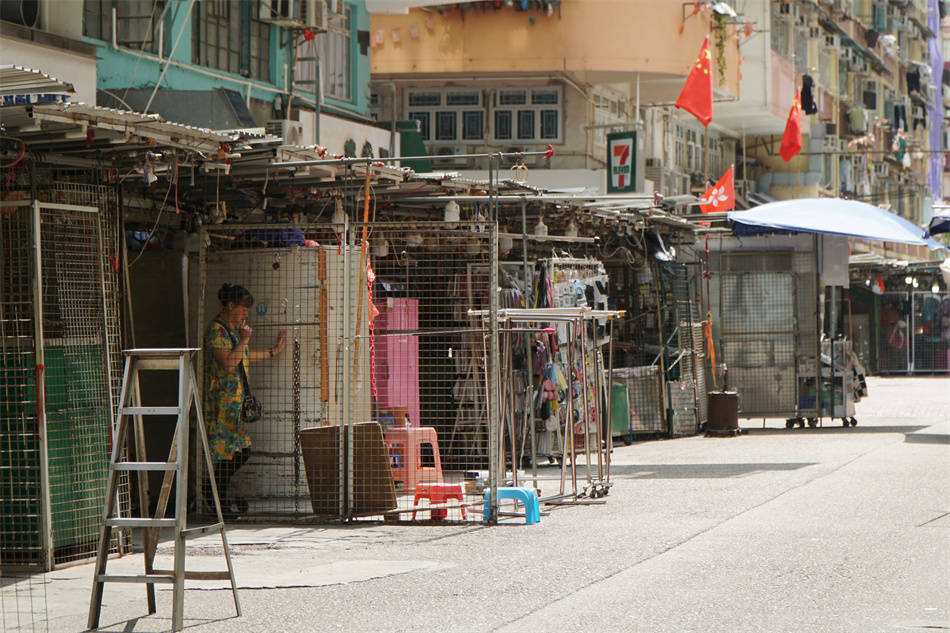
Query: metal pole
{"points": [[529, 366], [494, 408], [158, 83], [344, 439], [45, 509], [610, 387], [394, 159]]}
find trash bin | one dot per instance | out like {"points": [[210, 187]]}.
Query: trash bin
{"points": [[723, 413]]}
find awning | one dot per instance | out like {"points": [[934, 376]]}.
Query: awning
{"points": [[833, 216], [16, 80]]}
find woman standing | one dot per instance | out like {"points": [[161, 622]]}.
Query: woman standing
{"points": [[228, 354]]}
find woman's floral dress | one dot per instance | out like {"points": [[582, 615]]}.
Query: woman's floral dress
{"points": [[223, 394]]}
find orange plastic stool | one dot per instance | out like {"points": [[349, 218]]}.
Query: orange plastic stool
{"points": [[405, 455], [438, 493]]}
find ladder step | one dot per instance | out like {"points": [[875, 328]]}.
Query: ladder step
{"points": [[146, 578], [140, 522], [155, 466], [204, 529], [196, 575], [149, 411]]}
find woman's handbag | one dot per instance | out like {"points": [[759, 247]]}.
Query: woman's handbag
{"points": [[251, 408]]}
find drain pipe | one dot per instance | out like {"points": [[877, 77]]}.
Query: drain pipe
{"points": [[392, 111]]}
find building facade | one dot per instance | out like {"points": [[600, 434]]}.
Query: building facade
{"points": [[505, 76], [219, 64], [495, 76]]}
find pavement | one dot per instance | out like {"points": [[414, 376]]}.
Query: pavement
{"points": [[826, 529]]}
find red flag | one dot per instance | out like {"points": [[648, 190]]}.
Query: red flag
{"points": [[722, 196], [792, 139], [697, 95]]}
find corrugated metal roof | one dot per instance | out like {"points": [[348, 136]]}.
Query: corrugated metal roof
{"points": [[16, 80]]}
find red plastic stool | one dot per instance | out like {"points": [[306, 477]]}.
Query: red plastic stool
{"points": [[405, 451], [439, 493]]}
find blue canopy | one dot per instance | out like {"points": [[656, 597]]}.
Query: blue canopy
{"points": [[834, 216]]}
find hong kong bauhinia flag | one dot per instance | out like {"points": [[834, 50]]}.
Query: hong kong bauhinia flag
{"points": [[697, 95], [792, 139], [722, 196]]}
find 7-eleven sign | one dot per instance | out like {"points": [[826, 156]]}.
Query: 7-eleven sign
{"points": [[621, 162]]}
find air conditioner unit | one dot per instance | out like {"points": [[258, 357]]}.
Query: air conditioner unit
{"points": [[314, 13], [290, 131], [654, 162], [281, 12], [855, 61], [829, 144], [881, 170]]}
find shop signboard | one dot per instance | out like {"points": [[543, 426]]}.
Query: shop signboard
{"points": [[621, 162]]}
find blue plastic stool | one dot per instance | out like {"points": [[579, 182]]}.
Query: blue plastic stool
{"points": [[527, 496]]}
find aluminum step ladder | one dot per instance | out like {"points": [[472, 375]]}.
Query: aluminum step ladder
{"points": [[176, 470]]}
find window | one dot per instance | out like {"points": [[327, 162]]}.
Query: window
{"points": [[473, 125], [549, 124], [425, 99], [525, 125], [137, 22], [219, 39], [502, 124], [423, 119], [336, 57], [446, 126], [534, 114], [456, 115]]}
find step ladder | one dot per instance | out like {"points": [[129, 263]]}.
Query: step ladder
{"points": [[176, 470]]}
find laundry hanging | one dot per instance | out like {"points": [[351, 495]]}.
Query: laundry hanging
{"points": [[808, 98]]}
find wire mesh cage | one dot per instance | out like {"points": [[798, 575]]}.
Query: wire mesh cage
{"points": [[931, 332], [55, 413], [644, 398], [378, 404], [767, 329], [894, 345], [683, 356]]}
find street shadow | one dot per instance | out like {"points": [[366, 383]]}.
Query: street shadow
{"points": [[927, 438], [698, 471], [829, 428], [148, 624]]}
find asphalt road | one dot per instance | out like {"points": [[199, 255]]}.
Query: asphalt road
{"points": [[827, 529]]}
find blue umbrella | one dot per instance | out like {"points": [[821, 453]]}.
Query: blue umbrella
{"points": [[833, 216]]}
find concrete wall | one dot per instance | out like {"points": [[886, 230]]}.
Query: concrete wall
{"points": [[598, 36]]}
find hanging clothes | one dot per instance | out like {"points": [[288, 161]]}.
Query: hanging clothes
{"points": [[913, 80], [844, 169], [807, 96], [899, 146], [900, 117], [858, 120]]}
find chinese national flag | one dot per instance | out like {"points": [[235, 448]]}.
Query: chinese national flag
{"points": [[792, 139], [722, 196], [697, 95]]}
